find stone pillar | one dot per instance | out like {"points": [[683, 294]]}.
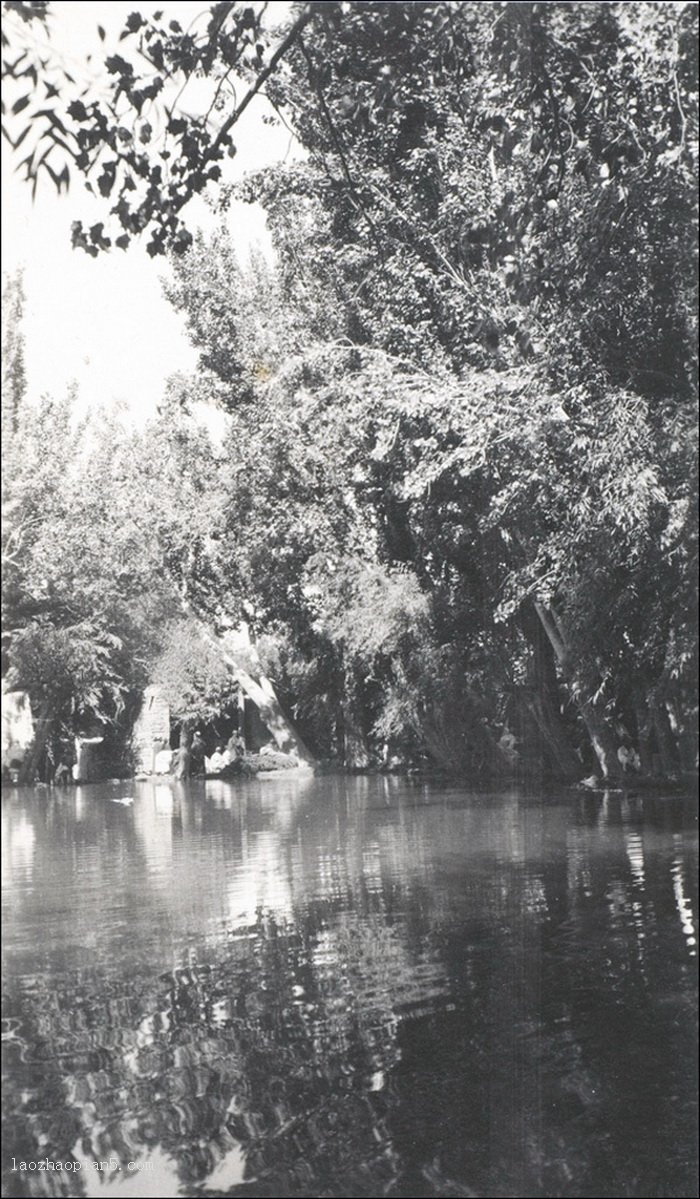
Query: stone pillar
{"points": [[151, 730]]}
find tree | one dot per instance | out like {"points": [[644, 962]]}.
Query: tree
{"points": [[78, 614], [14, 381], [491, 324], [194, 680], [469, 482], [113, 540], [515, 213], [133, 144]]}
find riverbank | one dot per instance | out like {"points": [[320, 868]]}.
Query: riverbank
{"points": [[270, 764], [248, 765]]}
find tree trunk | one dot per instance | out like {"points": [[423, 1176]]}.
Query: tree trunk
{"points": [[644, 735], [597, 727], [355, 752], [263, 695], [545, 706], [688, 739], [43, 724], [562, 759], [260, 690], [241, 717], [183, 761], [457, 736], [668, 758]]}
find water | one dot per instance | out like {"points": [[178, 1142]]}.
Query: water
{"points": [[348, 987]]}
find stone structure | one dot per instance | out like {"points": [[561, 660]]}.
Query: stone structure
{"points": [[152, 729], [17, 727], [87, 767]]}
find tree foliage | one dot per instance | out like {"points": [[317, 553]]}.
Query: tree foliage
{"points": [[133, 144], [457, 477], [103, 528], [194, 679]]}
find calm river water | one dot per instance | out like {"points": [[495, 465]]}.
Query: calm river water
{"points": [[348, 987]]}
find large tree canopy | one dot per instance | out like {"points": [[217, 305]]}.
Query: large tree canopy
{"points": [[456, 492]]}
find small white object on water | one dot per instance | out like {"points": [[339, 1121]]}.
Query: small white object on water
{"points": [[122, 799]]}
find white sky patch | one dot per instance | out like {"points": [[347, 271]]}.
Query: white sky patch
{"points": [[104, 322]]}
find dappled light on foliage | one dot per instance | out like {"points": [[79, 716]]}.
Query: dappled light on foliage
{"points": [[454, 493]]}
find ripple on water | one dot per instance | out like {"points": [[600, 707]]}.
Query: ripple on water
{"points": [[349, 986]]}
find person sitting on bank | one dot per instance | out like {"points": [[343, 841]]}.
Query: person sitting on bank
{"points": [[218, 761], [235, 747], [61, 776], [628, 758]]}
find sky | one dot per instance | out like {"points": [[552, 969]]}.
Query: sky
{"points": [[103, 322]]}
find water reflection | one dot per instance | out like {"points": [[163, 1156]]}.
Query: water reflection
{"points": [[683, 904], [348, 987]]}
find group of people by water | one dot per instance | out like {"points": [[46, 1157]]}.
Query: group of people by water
{"points": [[196, 761], [63, 761]]}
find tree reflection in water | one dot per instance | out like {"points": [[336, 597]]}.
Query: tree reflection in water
{"points": [[354, 987]]}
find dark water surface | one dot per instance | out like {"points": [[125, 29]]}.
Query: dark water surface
{"points": [[348, 987]]}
